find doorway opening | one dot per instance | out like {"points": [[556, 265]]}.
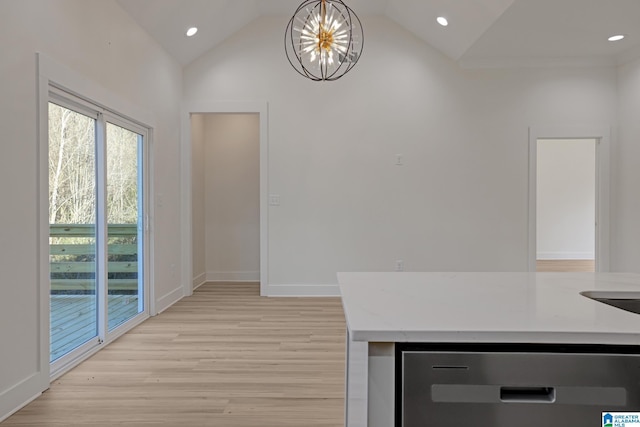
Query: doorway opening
{"points": [[566, 205], [569, 231], [225, 207]]}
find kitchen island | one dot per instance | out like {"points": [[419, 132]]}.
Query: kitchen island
{"points": [[387, 310]]}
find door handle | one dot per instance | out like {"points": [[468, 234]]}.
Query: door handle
{"points": [[528, 394]]}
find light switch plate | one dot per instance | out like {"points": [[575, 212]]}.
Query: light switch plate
{"points": [[274, 200]]}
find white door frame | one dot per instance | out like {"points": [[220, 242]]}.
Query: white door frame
{"points": [[602, 135], [205, 107], [53, 74]]}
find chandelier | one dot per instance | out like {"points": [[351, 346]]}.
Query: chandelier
{"points": [[324, 39]]}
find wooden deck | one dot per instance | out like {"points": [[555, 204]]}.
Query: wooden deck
{"points": [[72, 250], [74, 319]]}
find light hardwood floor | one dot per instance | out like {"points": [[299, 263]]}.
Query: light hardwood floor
{"points": [[566, 265], [223, 357]]}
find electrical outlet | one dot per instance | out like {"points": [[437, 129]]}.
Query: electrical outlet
{"points": [[399, 160], [399, 265]]}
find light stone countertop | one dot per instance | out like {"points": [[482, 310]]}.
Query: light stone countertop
{"points": [[487, 307]]}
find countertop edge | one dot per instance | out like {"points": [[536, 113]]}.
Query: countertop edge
{"points": [[601, 338]]}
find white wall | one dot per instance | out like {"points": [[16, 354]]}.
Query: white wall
{"points": [[566, 199], [459, 202], [96, 39], [228, 234], [626, 227], [198, 250]]}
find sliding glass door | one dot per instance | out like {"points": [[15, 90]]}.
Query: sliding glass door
{"points": [[72, 229], [124, 219], [96, 226]]}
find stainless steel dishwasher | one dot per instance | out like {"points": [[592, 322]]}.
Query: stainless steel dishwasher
{"points": [[514, 385]]}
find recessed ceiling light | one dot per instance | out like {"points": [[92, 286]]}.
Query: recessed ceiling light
{"points": [[192, 31], [442, 21], [616, 38]]}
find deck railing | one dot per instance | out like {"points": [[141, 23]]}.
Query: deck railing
{"points": [[72, 258]]}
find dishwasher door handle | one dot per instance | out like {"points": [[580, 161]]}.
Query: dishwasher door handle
{"points": [[528, 394]]}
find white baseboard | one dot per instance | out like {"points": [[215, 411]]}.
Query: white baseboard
{"points": [[20, 395], [233, 276], [565, 255], [168, 300], [302, 291], [199, 280]]}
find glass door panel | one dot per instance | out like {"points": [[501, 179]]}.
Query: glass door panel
{"points": [[96, 228], [124, 219], [72, 230]]}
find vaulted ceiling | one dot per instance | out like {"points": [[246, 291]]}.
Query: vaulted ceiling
{"points": [[482, 33]]}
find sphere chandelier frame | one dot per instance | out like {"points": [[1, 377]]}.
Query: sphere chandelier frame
{"points": [[324, 39]]}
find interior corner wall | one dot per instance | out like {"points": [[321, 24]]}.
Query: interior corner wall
{"points": [[98, 40], [566, 199], [459, 202], [232, 196], [625, 233], [198, 153]]}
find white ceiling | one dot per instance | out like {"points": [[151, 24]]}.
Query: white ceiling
{"points": [[482, 33]]}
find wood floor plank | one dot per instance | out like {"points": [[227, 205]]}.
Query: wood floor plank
{"points": [[566, 265], [223, 357]]}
